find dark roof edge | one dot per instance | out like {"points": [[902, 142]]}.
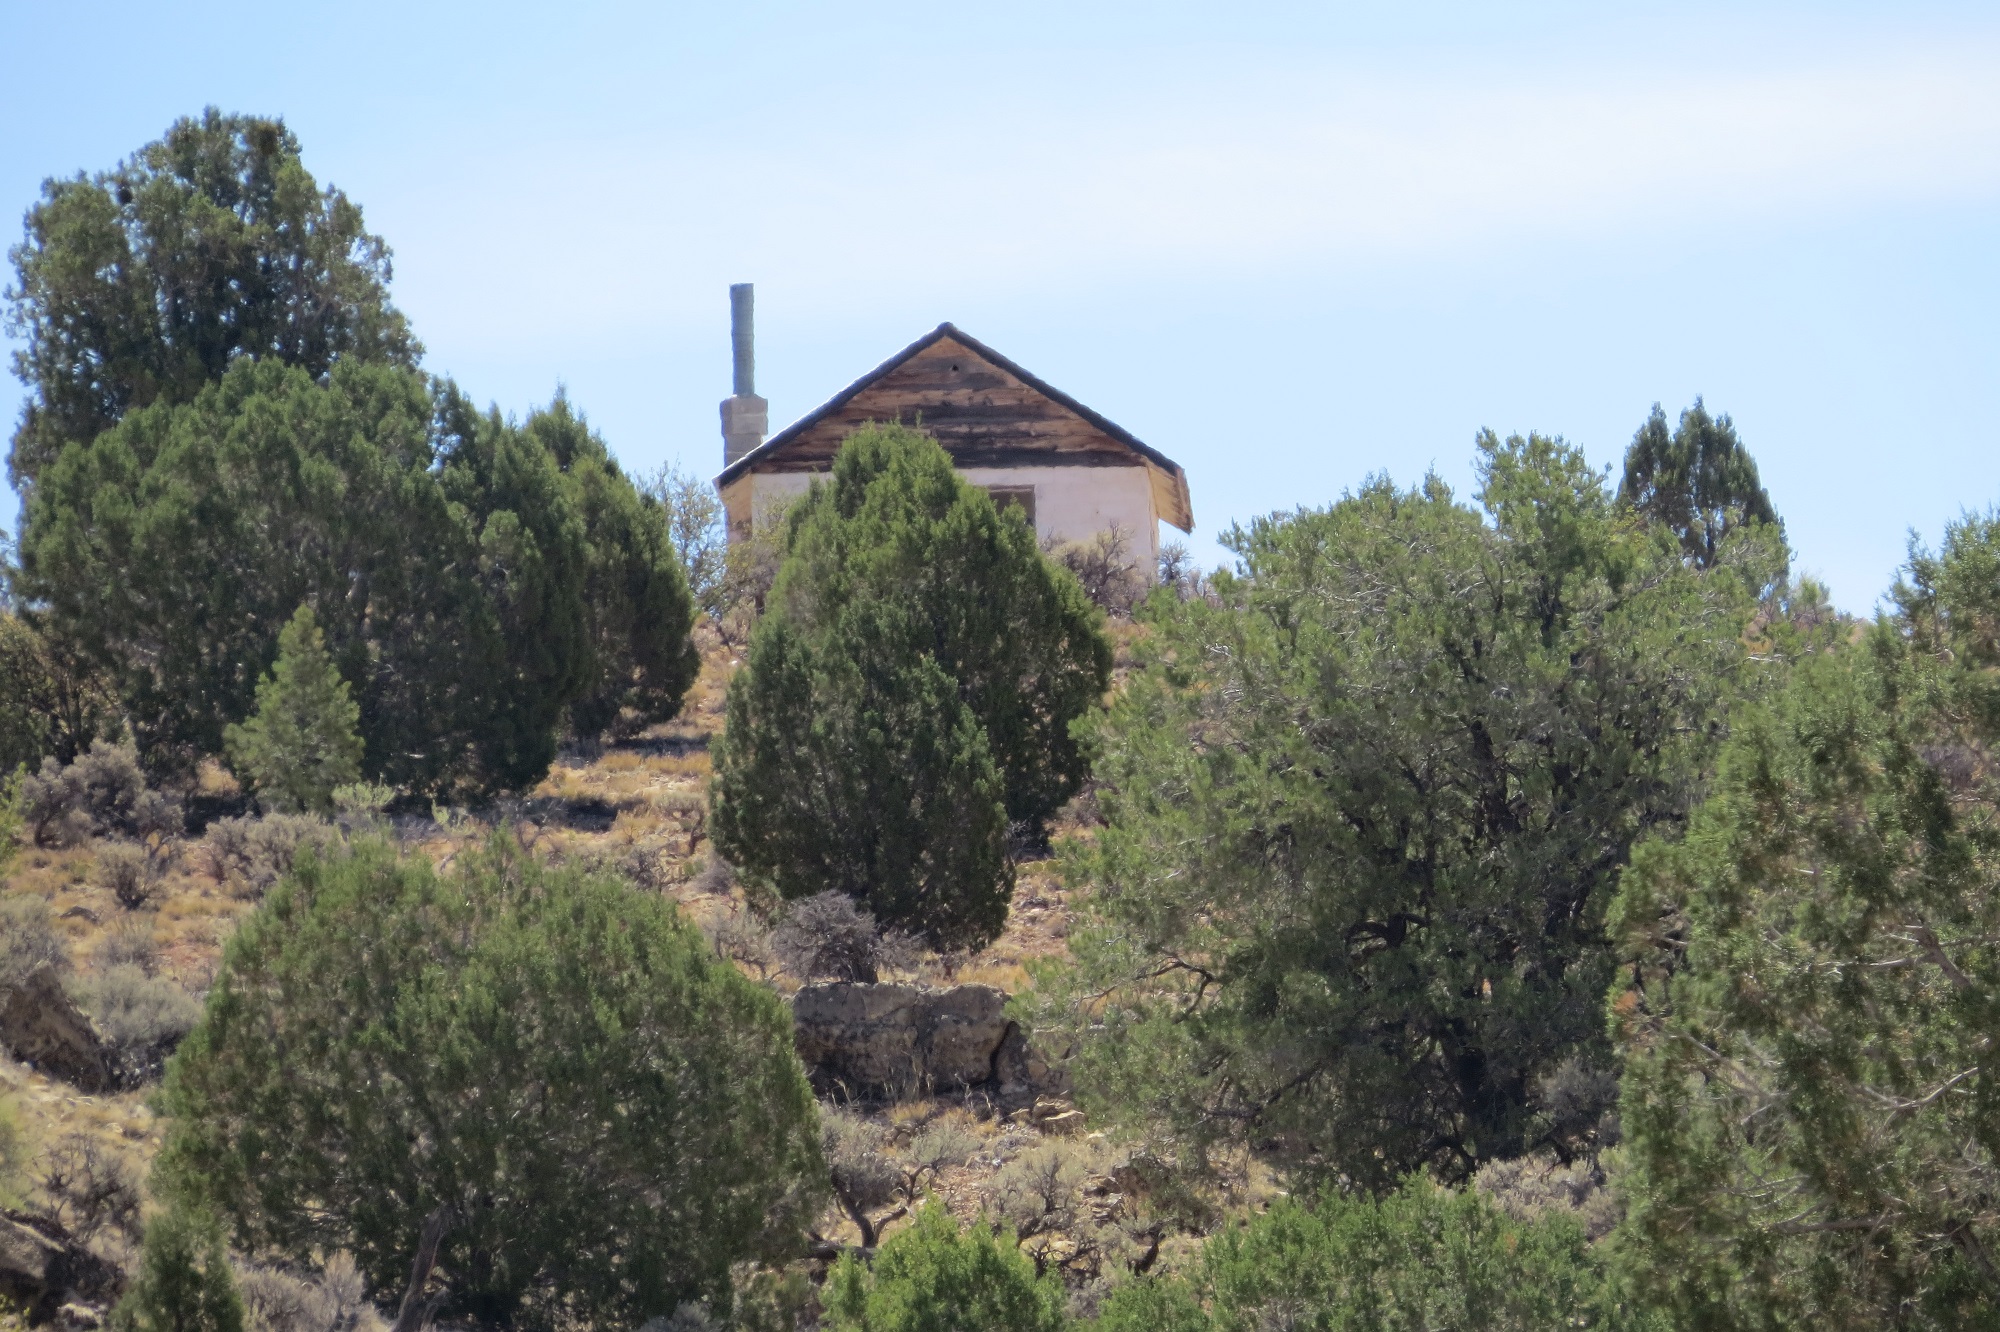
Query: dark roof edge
{"points": [[946, 330]]}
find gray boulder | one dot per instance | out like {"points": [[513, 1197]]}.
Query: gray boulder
{"points": [[903, 1038]]}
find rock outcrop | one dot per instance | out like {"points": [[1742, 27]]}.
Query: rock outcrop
{"points": [[47, 1271], [892, 1039], [41, 1025]]}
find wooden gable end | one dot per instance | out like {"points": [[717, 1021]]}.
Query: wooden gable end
{"points": [[983, 415], [985, 411]]}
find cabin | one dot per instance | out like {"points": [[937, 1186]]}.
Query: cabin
{"points": [[1073, 473]]}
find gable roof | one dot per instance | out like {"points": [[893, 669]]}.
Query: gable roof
{"points": [[975, 435]]}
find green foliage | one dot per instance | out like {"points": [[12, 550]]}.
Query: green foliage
{"points": [[52, 704], [636, 599], [443, 552], [1814, 983], [13, 824], [146, 283], [610, 1116], [908, 693], [1423, 1257], [1366, 806], [300, 744], [184, 1283], [933, 1277], [695, 521], [1700, 482]]}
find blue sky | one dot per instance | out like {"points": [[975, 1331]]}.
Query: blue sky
{"points": [[1289, 245]]}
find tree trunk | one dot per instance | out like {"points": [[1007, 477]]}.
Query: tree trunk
{"points": [[410, 1317]]}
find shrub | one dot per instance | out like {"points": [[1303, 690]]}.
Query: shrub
{"points": [[300, 745], [934, 1277], [129, 943], [102, 793], [1423, 1257], [259, 852], [128, 873], [829, 936], [90, 1188], [184, 1283], [332, 1299], [142, 1018], [1104, 567], [16, 1150], [908, 693], [29, 941], [549, 1066]]}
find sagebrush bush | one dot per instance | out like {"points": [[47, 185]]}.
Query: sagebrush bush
{"points": [[128, 873], [331, 1299], [132, 942], [256, 853], [830, 936], [143, 1018], [102, 793], [29, 940]]}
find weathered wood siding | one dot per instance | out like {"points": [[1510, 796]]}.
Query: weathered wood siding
{"points": [[982, 415]]}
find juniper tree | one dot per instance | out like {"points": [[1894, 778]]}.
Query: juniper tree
{"points": [[637, 604], [908, 693], [1813, 988], [932, 1276], [183, 1283], [145, 283], [1366, 805], [1699, 481], [300, 744], [541, 1080]]}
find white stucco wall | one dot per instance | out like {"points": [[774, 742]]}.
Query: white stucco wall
{"points": [[1071, 503]]}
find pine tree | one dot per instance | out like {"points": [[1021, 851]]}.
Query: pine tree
{"points": [[301, 742], [184, 1283]]}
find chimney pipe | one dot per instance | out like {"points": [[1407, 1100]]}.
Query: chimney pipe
{"points": [[746, 417], [742, 339]]}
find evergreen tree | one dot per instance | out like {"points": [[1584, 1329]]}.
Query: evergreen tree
{"points": [[549, 1073], [1423, 1257], [932, 1277], [184, 1283], [1700, 481], [146, 283], [1812, 990], [637, 604], [300, 744], [908, 693], [443, 550], [1365, 810]]}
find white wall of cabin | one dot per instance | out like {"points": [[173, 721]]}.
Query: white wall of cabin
{"points": [[1071, 503]]}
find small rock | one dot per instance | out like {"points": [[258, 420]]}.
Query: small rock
{"points": [[79, 1317], [1065, 1125], [81, 913]]}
